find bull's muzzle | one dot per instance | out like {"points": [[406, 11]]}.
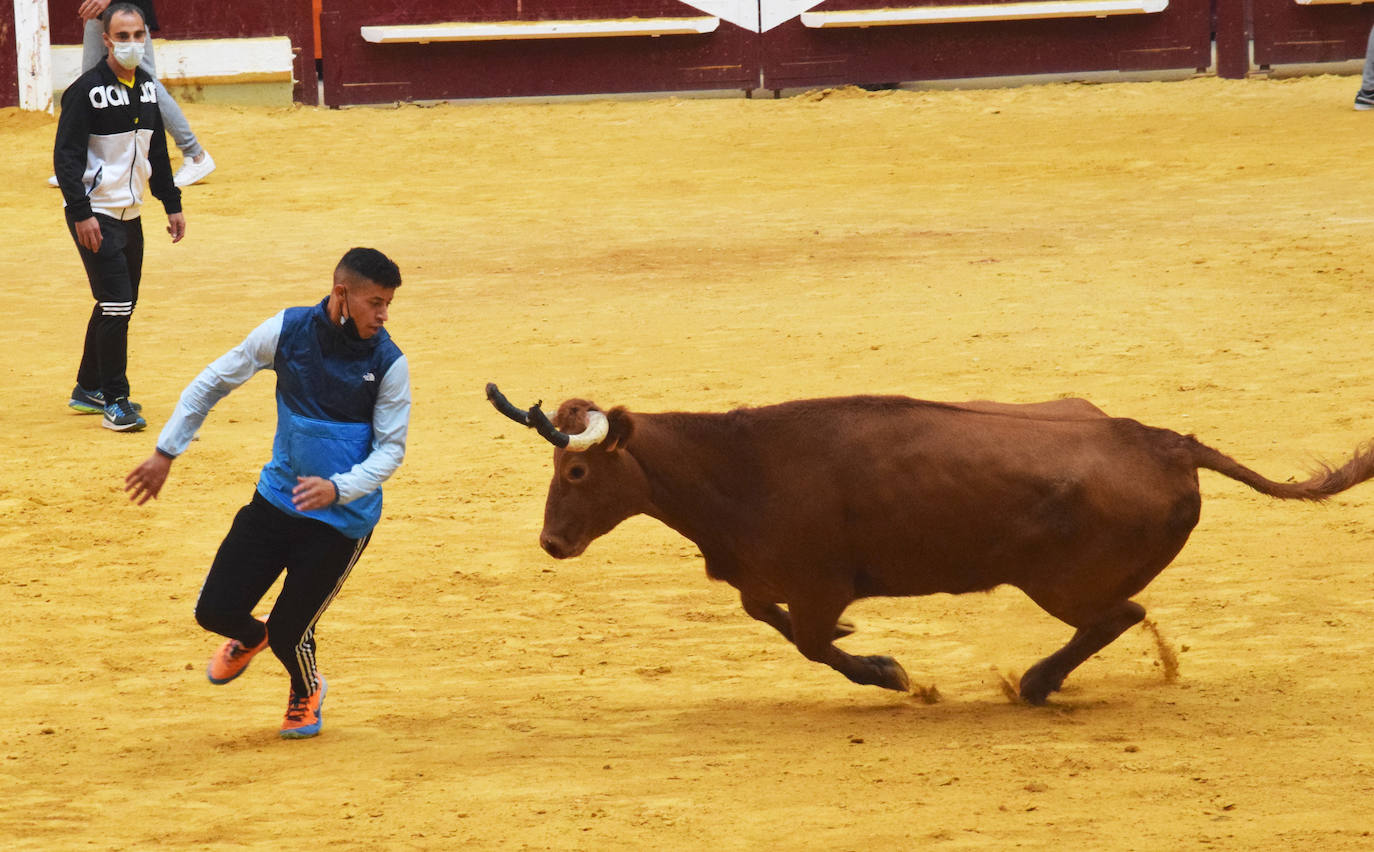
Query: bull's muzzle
{"points": [[557, 547], [534, 417]]}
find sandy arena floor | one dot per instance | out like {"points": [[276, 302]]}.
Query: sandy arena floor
{"points": [[1195, 255]]}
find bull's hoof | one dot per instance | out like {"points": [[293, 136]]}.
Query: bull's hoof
{"points": [[889, 674], [1037, 684], [843, 628]]}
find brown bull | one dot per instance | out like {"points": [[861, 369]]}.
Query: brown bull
{"points": [[817, 503]]}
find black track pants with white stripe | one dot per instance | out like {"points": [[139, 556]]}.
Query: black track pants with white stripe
{"points": [[263, 542], [114, 273]]}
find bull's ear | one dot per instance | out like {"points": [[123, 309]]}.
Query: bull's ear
{"points": [[622, 426]]}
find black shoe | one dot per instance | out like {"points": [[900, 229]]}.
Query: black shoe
{"points": [[87, 402], [121, 416], [92, 402], [1364, 99]]}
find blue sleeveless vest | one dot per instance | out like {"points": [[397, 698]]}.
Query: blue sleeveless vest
{"points": [[327, 385]]}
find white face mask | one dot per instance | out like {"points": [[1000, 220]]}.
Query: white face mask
{"points": [[128, 54]]}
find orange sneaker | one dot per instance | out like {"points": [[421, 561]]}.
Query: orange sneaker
{"points": [[231, 659], [304, 715]]}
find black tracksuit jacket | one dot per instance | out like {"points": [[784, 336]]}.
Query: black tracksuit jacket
{"points": [[110, 142]]}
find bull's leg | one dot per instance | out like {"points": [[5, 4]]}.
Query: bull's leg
{"points": [[813, 632], [1048, 675], [777, 618]]}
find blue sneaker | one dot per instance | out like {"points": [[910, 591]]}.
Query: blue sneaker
{"points": [[304, 714], [121, 416], [92, 402], [87, 402]]}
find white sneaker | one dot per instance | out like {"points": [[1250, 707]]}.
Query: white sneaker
{"points": [[193, 172], [52, 181]]}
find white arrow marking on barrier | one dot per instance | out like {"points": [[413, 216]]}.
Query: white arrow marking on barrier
{"points": [[775, 12], [741, 13], [757, 16]]}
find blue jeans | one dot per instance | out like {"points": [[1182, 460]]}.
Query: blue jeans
{"points": [[93, 52]]}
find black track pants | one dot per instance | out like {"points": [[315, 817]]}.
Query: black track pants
{"points": [[114, 273], [263, 542]]}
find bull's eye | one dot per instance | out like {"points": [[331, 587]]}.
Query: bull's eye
{"points": [[577, 471]]}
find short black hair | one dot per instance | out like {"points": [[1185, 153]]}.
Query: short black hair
{"points": [[115, 8], [372, 265]]}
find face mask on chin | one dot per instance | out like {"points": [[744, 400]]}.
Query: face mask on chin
{"points": [[349, 329], [346, 322], [128, 54]]}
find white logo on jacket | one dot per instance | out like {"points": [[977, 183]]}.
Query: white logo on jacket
{"points": [[108, 96], [103, 96]]}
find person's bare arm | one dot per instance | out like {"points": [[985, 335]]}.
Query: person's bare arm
{"points": [[89, 10]]}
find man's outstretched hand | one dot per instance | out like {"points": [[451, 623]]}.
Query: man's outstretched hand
{"points": [[145, 481]]}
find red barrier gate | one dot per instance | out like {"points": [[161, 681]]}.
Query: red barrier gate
{"points": [[854, 41], [440, 49], [1287, 32]]}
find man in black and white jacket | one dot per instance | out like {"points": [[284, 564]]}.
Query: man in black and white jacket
{"points": [[110, 142]]}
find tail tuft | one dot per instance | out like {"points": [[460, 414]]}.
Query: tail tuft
{"points": [[1325, 482]]}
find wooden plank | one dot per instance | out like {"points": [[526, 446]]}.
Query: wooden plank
{"points": [[981, 12], [514, 30]]}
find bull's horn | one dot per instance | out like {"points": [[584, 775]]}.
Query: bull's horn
{"points": [[597, 429], [504, 406], [597, 424]]}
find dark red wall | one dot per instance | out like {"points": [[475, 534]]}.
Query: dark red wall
{"points": [[231, 19]]}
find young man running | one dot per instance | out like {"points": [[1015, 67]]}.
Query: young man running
{"points": [[343, 409]]}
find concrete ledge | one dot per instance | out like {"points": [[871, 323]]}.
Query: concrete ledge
{"points": [[199, 62]]}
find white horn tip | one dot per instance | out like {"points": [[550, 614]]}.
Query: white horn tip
{"points": [[597, 429]]}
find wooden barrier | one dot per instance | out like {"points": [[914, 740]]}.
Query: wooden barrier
{"points": [[1291, 32], [440, 49], [851, 41], [446, 49]]}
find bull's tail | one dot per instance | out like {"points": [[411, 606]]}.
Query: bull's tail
{"points": [[1324, 482]]}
